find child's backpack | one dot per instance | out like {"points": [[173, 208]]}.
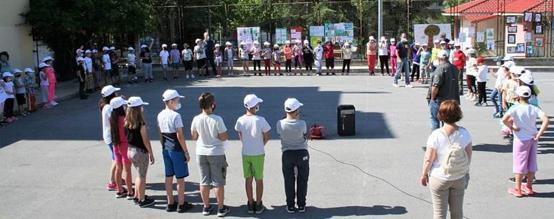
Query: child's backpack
{"points": [[456, 162], [317, 131]]}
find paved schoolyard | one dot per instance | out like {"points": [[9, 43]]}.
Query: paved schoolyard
{"points": [[55, 166]]}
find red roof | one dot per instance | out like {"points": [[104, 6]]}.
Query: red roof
{"points": [[491, 7], [544, 6], [462, 7], [522, 5]]}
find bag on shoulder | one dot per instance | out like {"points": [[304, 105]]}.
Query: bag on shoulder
{"points": [[456, 162]]}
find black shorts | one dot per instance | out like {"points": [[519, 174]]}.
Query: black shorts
{"points": [[115, 71], [330, 63], [201, 63], [132, 69], [20, 99], [188, 65]]}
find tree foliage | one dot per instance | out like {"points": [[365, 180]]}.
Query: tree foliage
{"points": [[64, 25]]}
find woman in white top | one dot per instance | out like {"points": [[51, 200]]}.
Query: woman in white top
{"points": [[243, 53], [447, 160], [346, 57], [384, 55]]}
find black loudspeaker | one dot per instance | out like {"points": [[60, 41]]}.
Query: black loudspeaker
{"points": [[346, 120]]}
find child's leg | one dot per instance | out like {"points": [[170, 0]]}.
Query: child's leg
{"points": [[118, 180], [169, 190], [259, 190], [287, 160], [181, 191], [302, 179], [249, 190]]}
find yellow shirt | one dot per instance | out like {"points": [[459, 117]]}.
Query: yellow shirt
{"points": [[434, 53], [509, 90]]}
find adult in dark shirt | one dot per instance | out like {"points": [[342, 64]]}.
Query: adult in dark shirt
{"points": [[209, 50], [444, 86], [146, 60], [308, 55], [402, 52]]}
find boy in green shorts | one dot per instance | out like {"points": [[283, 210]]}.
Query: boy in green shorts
{"points": [[254, 133]]}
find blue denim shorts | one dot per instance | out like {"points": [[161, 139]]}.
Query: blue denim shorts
{"points": [[175, 164]]}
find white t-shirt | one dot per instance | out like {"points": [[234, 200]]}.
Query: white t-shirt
{"points": [[106, 130], [383, 49], [107, 62], [169, 121], [9, 89], [252, 128], [164, 56], [200, 53], [318, 52], [187, 55], [243, 53], [208, 128], [500, 76], [256, 53], [3, 94], [230, 53], [525, 118], [88, 64], [131, 59], [482, 72], [438, 141]]}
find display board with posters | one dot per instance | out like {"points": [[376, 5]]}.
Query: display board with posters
{"points": [[316, 33], [427, 33], [296, 33], [281, 35], [248, 35], [339, 32]]}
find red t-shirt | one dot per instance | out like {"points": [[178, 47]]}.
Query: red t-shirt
{"points": [[459, 59], [328, 52], [288, 52]]}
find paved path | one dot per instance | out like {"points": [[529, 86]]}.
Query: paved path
{"points": [[55, 166]]}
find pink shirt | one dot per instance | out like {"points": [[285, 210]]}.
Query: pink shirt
{"points": [[393, 50], [50, 74]]}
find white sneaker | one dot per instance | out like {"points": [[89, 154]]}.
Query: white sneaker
{"points": [[186, 76], [54, 103], [192, 76], [395, 85], [409, 86]]}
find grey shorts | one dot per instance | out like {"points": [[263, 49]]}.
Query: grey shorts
{"points": [[139, 158], [213, 170]]}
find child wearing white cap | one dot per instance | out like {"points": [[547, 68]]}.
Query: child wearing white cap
{"points": [[509, 86], [81, 75], [393, 56], [218, 59], [120, 147], [10, 99], [244, 56], [108, 93], [521, 119], [175, 59], [229, 56], [266, 54], [174, 150], [187, 61], [20, 91], [256, 52], [89, 78], [43, 85], [293, 133], [107, 64], [140, 150], [276, 58], [131, 66], [164, 60], [288, 53], [253, 131], [210, 132]]}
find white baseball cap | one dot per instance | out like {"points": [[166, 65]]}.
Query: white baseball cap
{"points": [[298, 41], [42, 65], [47, 58], [217, 45], [117, 102], [112, 48], [346, 44], [443, 42], [523, 91], [143, 46], [17, 70], [266, 43], [228, 43], [7, 74], [94, 51], [527, 78], [456, 44], [109, 90], [136, 101], [276, 45], [508, 64], [256, 43], [171, 94], [292, 104], [251, 100], [130, 48], [242, 43], [28, 70], [287, 42], [392, 40], [87, 51], [437, 41], [197, 41], [174, 44], [164, 45], [105, 48], [306, 42]]}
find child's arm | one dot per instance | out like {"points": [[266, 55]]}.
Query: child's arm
{"points": [[146, 140], [543, 128], [508, 122], [223, 136], [181, 139]]}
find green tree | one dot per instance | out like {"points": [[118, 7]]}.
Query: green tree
{"points": [[64, 25]]}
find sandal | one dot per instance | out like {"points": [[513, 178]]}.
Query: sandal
{"points": [[515, 192]]}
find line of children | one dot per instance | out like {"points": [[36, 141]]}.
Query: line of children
{"points": [[18, 88]]}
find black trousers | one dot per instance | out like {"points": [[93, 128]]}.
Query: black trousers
{"points": [[346, 64], [259, 64], [299, 159], [482, 89], [212, 63], [82, 93], [384, 60], [415, 71], [8, 107], [308, 64], [288, 65]]}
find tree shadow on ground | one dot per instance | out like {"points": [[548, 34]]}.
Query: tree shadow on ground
{"points": [[316, 212]]}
